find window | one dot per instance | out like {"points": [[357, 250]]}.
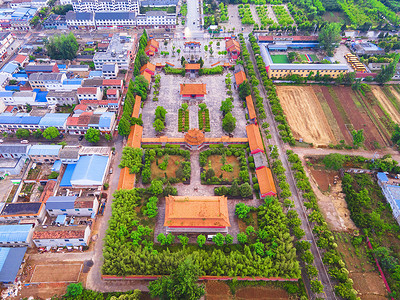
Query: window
{"points": [[66, 240], [63, 209]]}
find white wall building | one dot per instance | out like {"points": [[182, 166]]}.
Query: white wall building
{"points": [[89, 93], [61, 236], [72, 206], [61, 98], [105, 5], [6, 39], [47, 81]]}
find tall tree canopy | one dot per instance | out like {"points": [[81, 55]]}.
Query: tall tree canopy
{"points": [[387, 72], [62, 46], [329, 37]]}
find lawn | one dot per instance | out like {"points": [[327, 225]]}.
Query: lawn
{"points": [[216, 164], [303, 58], [313, 57], [280, 59], [174, 163]]}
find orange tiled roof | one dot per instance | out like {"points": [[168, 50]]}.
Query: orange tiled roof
{"points": [[193, 89], [78, 233], [192, 67], [232, 44], [194, 137], [112, 91], [254, 136], [190, 43], [48, 191], [80, 107], [217, 63], [153, 43], [126, 180], [20, 58], [266, 181], [87, 90], [250, 107], [240, 77], [227, 65], [197, 211], [160, 65], [136, 107], [112, 82], [149, 66], [169, 64], [147, 76], [135, 136]]}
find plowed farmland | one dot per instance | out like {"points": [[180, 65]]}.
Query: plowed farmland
{"points": [[305, 115], [322, 115]]}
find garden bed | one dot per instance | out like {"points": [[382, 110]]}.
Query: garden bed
{"points": [[204, 120], [226, 165], [183, 120], [167, 164]]}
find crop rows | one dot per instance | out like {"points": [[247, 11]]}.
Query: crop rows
{"points": [[282, 15]]}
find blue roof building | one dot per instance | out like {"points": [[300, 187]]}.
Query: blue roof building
{"points": [[56, 166], [9, 68], [93, 74], [60, 202], [15, 235], [66, 179], [54, 120], [106, 121], [90, 171], [40, 96], [12, 88], [44, 150], [10, 262], [382, 177]]}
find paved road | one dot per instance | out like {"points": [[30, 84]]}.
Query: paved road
{"points": [[193, 18], [296, 196]]}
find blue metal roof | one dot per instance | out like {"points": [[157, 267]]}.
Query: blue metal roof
{"points": [[60, 202], [90, 170], [62, 66], [95, 74], [14, 233], [44, 150], [41, 96], [382, 177], [20, 75], [105, 119], [9, 68], [74, 81], [6, 94], [10, 261], [10, 119], [66, 179], [54, 119], [61, 219], [12, 88], [56, 166]]}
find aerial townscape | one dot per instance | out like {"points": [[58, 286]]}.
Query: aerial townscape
{"points": [[188, 149]]}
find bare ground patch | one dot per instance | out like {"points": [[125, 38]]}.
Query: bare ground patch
{"points": [[305, 115], [56, 273], [386, 104]]}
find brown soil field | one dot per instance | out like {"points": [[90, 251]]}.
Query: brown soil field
{"points": [[366, 280], [386, 104], [216, 165], [338, 116], [156, 172], [261, 292], [358, 117], [54, 273], [323, 178], [217, 290], [395, 92], [305, 115]]}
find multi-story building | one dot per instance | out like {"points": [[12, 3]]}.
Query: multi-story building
{"points": [[29, 3], [110, 71], [156, 19], [47, 81], [105, 5], [6, 39], [120, 51], [41, 68], [44, 153], [80, 20], [16, 235], [89, 93], [72, 206], [54, 21], [61, 236], [115, 18], [23, 211], [61, 98], [56, 120], [21, 18]]}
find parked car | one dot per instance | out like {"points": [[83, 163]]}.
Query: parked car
{"points": [[81, 138], [24, 142]]}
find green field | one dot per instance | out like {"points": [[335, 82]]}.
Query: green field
{"points": [[313, 57], [303, 58], [279, 59]]}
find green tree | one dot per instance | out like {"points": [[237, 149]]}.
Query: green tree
{"points": [[229, 123], [156, 187], [181, 284], [201, 240], [108, 137], [184, 240], [329, 37], [74, 289], [226, 106], [158, 125], [388, 71], [162, 239], [202, 107], [143, 59], [244, 90], [234, 190], [210, 173], [245, 190], [228, 239], [396, 135], [334, 161], [160, 113], [124, 126], [316, 286], [37, 134], [358, 137], [242, 210], [242, 238], [50, 133], [22, 133], [62, 46], [219, 239], [92, 135]]}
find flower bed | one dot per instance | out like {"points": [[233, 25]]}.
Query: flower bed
{"points": [[204, 120], [183, 120]]}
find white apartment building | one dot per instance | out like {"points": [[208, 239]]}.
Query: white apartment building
{"points": [[6, 39], [89, 93], [105, 5], [47, 81], [156, 19], [80, 19], [29, 3], [118, 18], [61, 98]]}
